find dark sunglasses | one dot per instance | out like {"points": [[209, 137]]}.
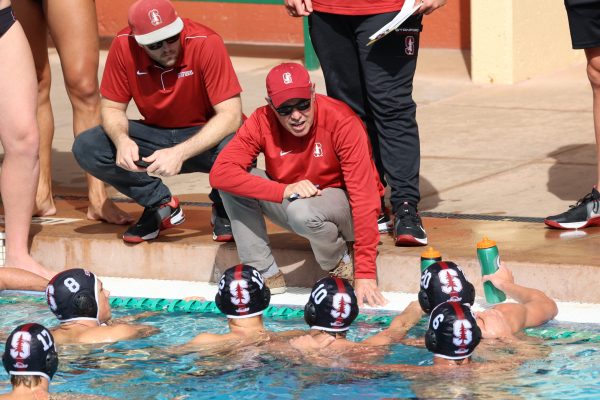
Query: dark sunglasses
{"points": [[284, 111], [158, 45]]}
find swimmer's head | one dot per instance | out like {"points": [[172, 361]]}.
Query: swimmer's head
{"points": [[73, 295], [332, 305], [242, 292], [444, 281], [452, 331], [30, 350]]}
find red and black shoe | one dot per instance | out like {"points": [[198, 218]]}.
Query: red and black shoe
{"points": [[586, 212], [221, 225], [408, 228], [154, 220]]}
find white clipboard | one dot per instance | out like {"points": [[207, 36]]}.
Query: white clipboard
{"points": [[407, 10]]}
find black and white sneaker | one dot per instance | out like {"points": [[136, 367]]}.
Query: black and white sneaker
{"points": [[583, 214], [153, 220], [221, 225], [408, 228], [384, 223]]}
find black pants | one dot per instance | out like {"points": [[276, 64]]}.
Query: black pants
{"points": [[96, 154], [376, 82]]}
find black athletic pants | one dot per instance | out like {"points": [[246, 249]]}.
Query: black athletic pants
{"points": [[376, 82]]}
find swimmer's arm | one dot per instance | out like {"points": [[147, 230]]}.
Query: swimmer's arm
{"points": [[534, 308], [19, 279], [133, 317], [118, 332], [399, 326]]}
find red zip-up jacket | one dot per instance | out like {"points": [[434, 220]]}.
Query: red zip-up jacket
{"points": [[335, 153]]}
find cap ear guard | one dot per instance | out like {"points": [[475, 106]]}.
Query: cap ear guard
{"points": [[85, 304], [424, 301], [431, 341], [310, 313], [469, 295]]}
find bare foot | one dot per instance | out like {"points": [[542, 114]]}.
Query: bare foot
{"points": [[108, 211], [29, 264], [44, 204]]}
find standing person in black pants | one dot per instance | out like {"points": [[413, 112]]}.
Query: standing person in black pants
{"points": [[584, 23], [376, 82]]}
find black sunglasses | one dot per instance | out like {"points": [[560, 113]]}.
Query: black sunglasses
{"points": [[303, 105], [158, 45]]}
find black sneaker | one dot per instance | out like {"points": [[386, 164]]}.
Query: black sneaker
{"points": [[408, 228], [221, 225], [153, 220], [583, 214]]}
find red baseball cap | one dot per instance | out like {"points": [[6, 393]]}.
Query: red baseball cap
{"points": [[153, 20], [288, 81]]}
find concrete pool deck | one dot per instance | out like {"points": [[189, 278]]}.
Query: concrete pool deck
{"points": [[496, 159]]}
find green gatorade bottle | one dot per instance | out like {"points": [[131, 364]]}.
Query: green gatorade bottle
{"points": [[489, 259], [429, 257]]}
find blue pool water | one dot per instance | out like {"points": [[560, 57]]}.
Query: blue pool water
{"points": [[142, 369]]}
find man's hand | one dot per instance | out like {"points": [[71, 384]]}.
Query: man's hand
{"points": [[304, 189], [367, 289], [501, 277], [429, 6], [165, 162], [299, 8], [308, 343], [127, 154]]}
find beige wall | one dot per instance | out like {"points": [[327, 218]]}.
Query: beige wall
{"points": [[513, 40]]}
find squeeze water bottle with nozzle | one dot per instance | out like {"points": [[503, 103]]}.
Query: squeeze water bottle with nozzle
{"points": [[489, 259], [429, 257]]}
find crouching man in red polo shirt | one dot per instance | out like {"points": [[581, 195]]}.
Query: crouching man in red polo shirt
{"points": [[183, 83], [320, 182]]}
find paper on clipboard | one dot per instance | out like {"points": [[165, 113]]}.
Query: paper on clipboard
{"points": [[407, 10]]}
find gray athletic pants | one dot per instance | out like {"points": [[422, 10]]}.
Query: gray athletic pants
{"points": [[326, 221]]}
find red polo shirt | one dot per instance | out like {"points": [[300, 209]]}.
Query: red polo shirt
{"points": [[335, 153], [357, 7], [178, 96]]}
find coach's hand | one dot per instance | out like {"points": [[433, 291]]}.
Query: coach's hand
{"points": [[165, 162], [367, 290]]}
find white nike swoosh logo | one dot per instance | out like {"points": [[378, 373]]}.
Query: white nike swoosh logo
{"points": [[141, 73], [283, 153]]}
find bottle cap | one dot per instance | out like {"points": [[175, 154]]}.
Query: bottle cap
{"points": [[485, 243], [431, 253]]}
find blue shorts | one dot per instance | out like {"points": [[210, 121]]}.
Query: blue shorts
{"points": [[7, 19]]}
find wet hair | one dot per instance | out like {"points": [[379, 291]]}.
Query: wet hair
{"points": [[332, 305], [242, 292], [444, 281], [25, 380]]}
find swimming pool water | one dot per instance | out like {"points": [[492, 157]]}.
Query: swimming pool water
{"points": [[143, 369]]}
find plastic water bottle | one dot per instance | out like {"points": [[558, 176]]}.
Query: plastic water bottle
{"points": [[428, 257], [489, 259]]}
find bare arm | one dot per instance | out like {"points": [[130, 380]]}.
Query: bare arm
{"points": [[116, 126], [399, 326], [299, 8], [534, 308], [117, 332], [227, 119], [19, 279], [429, 6], [367, 290]]}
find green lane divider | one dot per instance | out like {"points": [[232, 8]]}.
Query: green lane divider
{"points": [[285, 313]]}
